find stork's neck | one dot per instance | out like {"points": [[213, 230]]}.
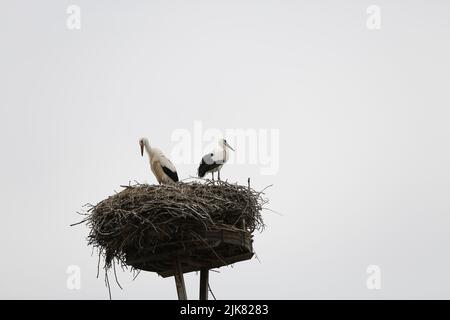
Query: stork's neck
{"points": [[148, 149], [225, 154]]}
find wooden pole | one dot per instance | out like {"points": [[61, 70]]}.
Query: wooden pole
{"points": [[204, 278], [179, 280]]}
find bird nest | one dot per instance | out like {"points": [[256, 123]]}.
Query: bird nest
{"points": [[206, 224]]}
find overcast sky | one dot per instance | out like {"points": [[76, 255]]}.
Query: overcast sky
{"points": [[362, 117]]}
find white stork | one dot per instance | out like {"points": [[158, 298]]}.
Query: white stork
{"points": [[215, 160], [161, 166]]}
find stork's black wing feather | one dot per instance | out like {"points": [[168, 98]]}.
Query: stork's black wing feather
{"points": [[207, 165], [172, 174]]}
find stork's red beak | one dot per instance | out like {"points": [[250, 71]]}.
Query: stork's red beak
{"points": [[226, 143], [142, 149]]}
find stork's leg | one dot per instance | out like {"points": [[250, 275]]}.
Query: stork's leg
{"points": [[218, 174], [212, 174]]}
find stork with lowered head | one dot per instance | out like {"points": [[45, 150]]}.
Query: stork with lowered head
{"points": [[161, 166]]}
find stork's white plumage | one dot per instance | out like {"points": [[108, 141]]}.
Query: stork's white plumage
{"points": [[215, 160], [161, 166]]}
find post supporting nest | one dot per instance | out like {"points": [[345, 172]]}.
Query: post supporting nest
{"points": [[204, 278], [181, 287], [179, 280]]}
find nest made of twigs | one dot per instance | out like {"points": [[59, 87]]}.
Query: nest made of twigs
{"points": [[142, 216]]}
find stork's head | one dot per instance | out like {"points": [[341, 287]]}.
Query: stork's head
{"points": [[142, 143], [223, 143]]}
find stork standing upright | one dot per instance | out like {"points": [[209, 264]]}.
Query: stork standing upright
{"points": [[161, 166], [215, 160]]}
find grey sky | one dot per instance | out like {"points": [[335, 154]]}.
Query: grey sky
{"points": [[363, 117]]}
